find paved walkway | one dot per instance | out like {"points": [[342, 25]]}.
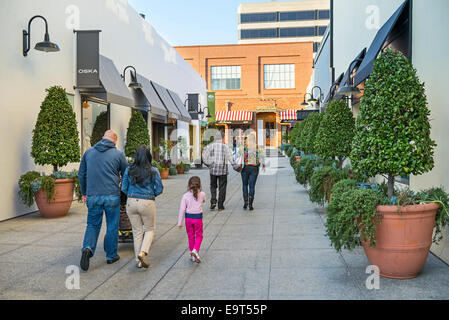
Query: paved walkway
{"points": [[278, 251]]}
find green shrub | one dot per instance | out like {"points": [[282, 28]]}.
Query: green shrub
{"points": [[300, 139], [393, 129], [32, 181], [99, 128], [306, 166], [336, 132], [55, 135], [137, 134], [350, 212], [322, 181], [310, 132]]}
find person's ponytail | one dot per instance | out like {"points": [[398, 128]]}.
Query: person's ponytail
{"points": [[194, 185]]}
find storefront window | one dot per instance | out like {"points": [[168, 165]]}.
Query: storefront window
{"points": [[279, 76], [95, 123]]}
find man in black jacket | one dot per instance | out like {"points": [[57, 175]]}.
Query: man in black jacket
{"points": [[99, 175]]}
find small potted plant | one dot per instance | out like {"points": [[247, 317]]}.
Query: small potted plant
{"points": [[164, 149], [56, 143], [180, 168], [393, 138]]}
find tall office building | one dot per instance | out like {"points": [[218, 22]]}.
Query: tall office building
{"points": [[284, 21]]}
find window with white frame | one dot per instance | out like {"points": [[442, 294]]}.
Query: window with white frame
{"points": [[226, 78], [279, 76]]}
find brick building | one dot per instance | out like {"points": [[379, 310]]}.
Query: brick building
{"points": [[257, 86]]}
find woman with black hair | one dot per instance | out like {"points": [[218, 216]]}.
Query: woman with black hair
{"points": [[142, 184]]}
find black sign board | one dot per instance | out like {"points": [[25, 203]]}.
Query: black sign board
{"points": [[87, 59], [303, 114], [192, 102]]}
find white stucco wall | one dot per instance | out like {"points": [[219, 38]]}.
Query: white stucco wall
{"points": [[355, 26], [126, 38], [430, 57]]}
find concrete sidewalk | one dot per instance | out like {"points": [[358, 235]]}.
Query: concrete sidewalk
{"points": [[278, 251]]}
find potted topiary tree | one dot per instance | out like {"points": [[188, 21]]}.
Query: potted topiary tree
{"points": [[137, 134], [56, 143], [334, 138], [393, 138]]}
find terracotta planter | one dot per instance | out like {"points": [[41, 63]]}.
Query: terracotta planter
{"points": [[180, 171], [297, 158], [403, 240], [164, 173], [60, 205]]}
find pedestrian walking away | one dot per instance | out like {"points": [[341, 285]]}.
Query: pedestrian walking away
{"points": [[142, 184], [253, 157], [191, 211], [99, 174], [217, 156]]}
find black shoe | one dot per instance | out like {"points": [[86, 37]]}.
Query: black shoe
{"points": [[245, 200], [221, 208], [85, 256], [117, 258], [251, 199], [212, 206]]}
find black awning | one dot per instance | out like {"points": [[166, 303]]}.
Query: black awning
{"points": [[162, 92], [377, 45], [185, 116], [157, 107], [332, 89], [346, 79], [112, 88]]}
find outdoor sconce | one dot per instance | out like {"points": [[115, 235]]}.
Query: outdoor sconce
{"points": [[313, 99], [201, 112], [45, 45], [304, 102], [348, 90], [133, 84]]}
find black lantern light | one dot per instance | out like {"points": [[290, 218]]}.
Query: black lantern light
{"points": [[304, 102], [348, 90], [134, 83], [45, 45], [313, 99]]}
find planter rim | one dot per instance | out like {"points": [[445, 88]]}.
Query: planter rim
{"points": [[63, 180], [415, 208]]}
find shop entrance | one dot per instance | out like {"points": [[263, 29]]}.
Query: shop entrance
{"points": [[95, 121], [269, 134]]}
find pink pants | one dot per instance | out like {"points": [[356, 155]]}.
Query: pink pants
{"points": [[194, 229]]}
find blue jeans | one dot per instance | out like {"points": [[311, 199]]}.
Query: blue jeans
{"points": [[249, 178], [111, 207]]}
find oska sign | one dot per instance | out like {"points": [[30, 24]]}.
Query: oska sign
{"points": [[87, 59]]}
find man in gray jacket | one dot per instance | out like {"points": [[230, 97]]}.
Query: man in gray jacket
{"points": [[99, 174]]}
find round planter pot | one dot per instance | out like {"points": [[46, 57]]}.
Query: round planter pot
{"points": [[164, 173], [403, 240], [180, 171], [60, 205], [298, 158]]}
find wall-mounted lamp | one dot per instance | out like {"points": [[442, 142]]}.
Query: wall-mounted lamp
{"points": [[304, 102], [133, 84], [313, 99], [45, 45], [201, 112], [348, 90]]}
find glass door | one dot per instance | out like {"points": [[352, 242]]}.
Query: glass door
{"points": [[95, 121], [269, 134]]}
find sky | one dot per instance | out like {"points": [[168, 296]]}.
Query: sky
{"points": [[193, 22]]}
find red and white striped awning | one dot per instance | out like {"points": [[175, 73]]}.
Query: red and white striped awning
{"points": [[287, 115], [235, 116]]}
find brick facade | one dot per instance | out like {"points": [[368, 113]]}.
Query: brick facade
{"points": [[253, 96]]}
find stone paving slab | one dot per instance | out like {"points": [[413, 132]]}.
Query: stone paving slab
{"points": [[277, 251]]}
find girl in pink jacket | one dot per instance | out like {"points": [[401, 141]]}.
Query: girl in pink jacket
{"points": [[191, 209]]}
